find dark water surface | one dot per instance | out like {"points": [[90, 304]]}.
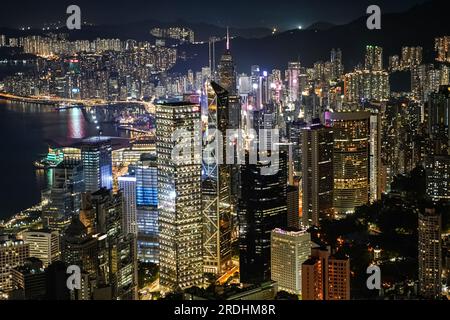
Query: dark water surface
{"points": [[24, 133]]}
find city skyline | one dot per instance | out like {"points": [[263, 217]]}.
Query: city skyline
{"points": [[179, 161]]}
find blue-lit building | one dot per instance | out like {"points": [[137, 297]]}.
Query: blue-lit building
{"points": [[97, 163], [145, 172]]}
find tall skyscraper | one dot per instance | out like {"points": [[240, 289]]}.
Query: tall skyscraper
{"points": [[228, 81], [289, 250], [216, 190], [336, 64], [437, 115], [430, 254], [293, 74], [293, 207], [118, 275], [62, 200], [226, 69], [179, 196], [97, 163], [79, 248], [325, 276], [295, 137], [44, 245], [147, 209], [317, 177], [375, 155], [127, 184], [350, 160], [262, 208]]}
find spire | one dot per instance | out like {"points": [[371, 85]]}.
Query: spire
{"points": [[228, 39]]}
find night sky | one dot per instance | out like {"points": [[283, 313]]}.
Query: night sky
{"points": [[284, 14]]}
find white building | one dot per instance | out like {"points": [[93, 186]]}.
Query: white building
{"points": [[128, 186], [44, 245], [289, 249]]}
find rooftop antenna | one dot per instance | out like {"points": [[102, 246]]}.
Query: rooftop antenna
{"points": [[228, 39]]}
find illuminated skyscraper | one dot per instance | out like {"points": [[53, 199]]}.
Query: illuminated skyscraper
{"points": [[317, 177], [216, 190], [147, 209], [295, 137], [97, 163], [262, 208], [179, 195], [430, 254], [437, 168], [337, 68], [120, 275], [62, 200], [227, 73], [437, 114], [411, 56], [350, 160], [293, 74], [366, 84], [289, 249], [79, 248], [127, 184]]}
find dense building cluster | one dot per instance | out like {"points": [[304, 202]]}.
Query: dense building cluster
{"points": [[339, 141]]}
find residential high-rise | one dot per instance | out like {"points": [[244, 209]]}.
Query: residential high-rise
{"points": [[44, 245], [411, 56], [375, 155], [97, 163], [325, 276], [374, 58], [437, 170], [262, 208], [350, 160], [337, 68], [127, 184], [442, 47], [12, 255], [367, 85], [289, 250], [317, 176], [179, 195], [216, 189], [430, 254]]}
